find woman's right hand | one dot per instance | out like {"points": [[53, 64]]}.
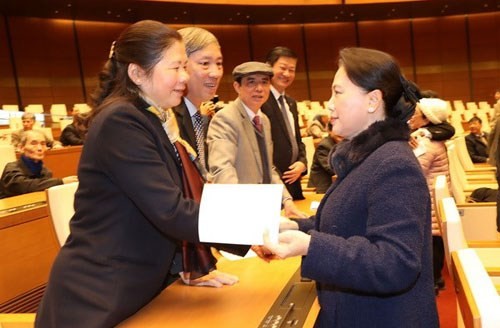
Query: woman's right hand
{"points": [[290, 243]]}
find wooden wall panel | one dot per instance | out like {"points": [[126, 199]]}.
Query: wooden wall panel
{"points": [[391, 36], [265, 37], [441, 56], [46, 60], [48, 70], [485, 55], [323, 42], [95, 39], [8, 93]]}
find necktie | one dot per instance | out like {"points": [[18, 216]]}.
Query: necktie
{"points": [[291, 136], [257, 123], [200, 137]]}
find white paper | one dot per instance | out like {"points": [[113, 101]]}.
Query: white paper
{"points": [[240, 213]]}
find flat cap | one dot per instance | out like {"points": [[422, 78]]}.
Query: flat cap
{"points": [[252, 67]]}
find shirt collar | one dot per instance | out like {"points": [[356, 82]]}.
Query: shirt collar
{"points": [[191, 108], [276, 93]]}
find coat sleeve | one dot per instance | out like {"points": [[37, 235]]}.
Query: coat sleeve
{"points": [[387, 257], [222, 139], [471, 149], [16, 182], [69, 137], [322, 155]]}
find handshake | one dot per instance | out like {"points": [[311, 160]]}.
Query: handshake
{"points": [[291, 242]]}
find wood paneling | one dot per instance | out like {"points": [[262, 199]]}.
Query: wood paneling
{"points": [[46, 60], [8, 93], [95, 39], [323, 42], [441, 56], [485, 55], [391, 36], [48, 69]]}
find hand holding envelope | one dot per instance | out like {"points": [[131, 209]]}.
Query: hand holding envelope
{"points": [[240, 213], [290, 243]]}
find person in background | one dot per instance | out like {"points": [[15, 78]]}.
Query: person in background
{"points": [[369, 247], [289, 152], [321, 175], [477, 141], [205, 72], [28, 120], [193, 114], [438, 132], [319, 125], [28, 174], [74, 134], [496, 109], [132, 207], [433, 159], [239, 135]]}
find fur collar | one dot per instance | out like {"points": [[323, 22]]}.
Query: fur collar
{"points": [[351, 153]]}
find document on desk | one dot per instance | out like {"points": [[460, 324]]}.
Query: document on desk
{"points": [[240, 213]]}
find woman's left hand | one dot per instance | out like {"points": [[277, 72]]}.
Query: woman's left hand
{"points": [[214, 279]]}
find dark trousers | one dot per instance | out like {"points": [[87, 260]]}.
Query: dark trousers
{"points": [[437, 256]]}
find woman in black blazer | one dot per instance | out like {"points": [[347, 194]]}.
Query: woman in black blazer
{"points": [[130, 208]]}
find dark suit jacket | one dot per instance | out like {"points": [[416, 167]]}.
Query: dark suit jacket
{"points": [[477, 149], [71, 136], [130, 214], [282, 153], [186, 127], [17, 179], [321, 173]]}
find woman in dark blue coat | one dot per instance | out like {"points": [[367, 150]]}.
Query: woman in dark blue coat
{"points": [[130, 209], [369, 245]]}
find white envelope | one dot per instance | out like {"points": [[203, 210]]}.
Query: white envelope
{"points": [[240, 213]]}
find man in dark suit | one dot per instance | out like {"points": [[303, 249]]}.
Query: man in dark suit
{"points": [[477, 144], [205, 72], [289, 154]]}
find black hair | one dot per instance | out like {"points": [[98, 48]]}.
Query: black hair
{"points": [[476, 119], [372, 69], [278, 52], [142, 43]]}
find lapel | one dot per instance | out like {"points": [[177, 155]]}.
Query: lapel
{"points": [[249, 131], [185, 123], [279, 116], [165, 142]]}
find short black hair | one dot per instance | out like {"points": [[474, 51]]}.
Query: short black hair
{"points": [[277, 52], [476, 119]]}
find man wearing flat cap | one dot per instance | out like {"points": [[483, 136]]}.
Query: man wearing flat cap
{"points": [[239, 135]]}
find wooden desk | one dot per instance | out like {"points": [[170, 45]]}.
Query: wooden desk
{"points": [[63, 162], [28, 245], [242, 305], [305, 204]]}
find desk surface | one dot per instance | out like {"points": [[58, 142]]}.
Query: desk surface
{"points": [[242, 305]]}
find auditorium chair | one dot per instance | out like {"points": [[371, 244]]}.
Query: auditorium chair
{"points": [[477, 297], [7, 155], [60, 201]]}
